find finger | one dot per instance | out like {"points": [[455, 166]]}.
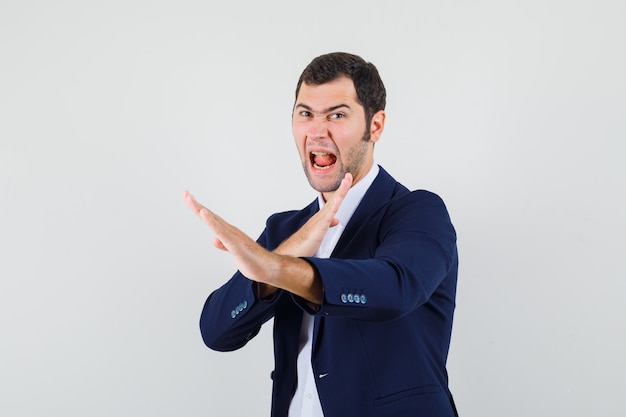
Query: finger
{"points": [[218, 244], [209, 218], [345, 185], [341, 193], [223, 230], [192, 203], [217, 226]]}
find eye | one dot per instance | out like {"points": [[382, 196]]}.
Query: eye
{"points": [[336, 116], [305, 113]]}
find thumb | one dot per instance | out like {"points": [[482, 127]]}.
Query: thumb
{"points": [[219, 244]]}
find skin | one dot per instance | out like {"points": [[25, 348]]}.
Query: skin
{"points": [[327, 118]]}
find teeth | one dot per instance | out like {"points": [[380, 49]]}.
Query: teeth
{"points": [[319, 153], [319, 167]]}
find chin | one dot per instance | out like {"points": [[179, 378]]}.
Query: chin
{"points": [[327, 186], [324, 182]]}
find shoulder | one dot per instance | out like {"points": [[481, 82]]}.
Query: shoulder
{"points": [[420, 205], [421, 197], [293, 216], [420, 211], [401, 195]]}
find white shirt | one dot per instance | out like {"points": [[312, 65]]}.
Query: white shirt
{"points": [[306, 401]]}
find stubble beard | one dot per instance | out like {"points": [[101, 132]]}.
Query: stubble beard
{"points": [[355, 159]]}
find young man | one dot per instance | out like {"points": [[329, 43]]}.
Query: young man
{"points": [[361, 283]]}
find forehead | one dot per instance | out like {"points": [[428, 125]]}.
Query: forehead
{"points": [[338, 91]]}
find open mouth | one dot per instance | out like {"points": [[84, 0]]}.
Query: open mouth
{"points": [[322, 160]]}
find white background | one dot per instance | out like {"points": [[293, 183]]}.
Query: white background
{"points": [[513, 111]]}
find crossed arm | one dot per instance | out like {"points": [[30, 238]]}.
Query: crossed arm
{"points": [[282, 268]]}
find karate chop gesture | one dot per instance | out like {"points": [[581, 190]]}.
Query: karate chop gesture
{"points": [[283, 267]]}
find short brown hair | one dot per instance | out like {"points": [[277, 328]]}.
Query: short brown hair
{"points": [[369, 86]]}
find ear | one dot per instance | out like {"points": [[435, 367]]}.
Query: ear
{"points": [[377, 125]]}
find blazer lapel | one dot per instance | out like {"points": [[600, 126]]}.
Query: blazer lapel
{"points": [[381, 191]]}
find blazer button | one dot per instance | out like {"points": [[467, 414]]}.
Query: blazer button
{"points": [[357, 298], [233, 314], [363, 299], [351, 298], [344, 299]]}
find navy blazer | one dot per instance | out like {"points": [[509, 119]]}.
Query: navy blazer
{"points": [[382, 333]]}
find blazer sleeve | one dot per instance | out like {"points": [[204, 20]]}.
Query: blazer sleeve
{"points": [[393, 264], [233, 314]]}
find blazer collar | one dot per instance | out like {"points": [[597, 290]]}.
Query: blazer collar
{"points": [[382, 190]]}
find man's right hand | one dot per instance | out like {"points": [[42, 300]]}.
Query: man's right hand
{"points": [[307, 240]]}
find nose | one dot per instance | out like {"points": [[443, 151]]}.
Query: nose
{"points": [[317, 127]]}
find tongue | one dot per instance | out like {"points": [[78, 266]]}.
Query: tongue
{"points": [[324, 160]]}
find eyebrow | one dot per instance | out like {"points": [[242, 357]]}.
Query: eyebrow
{"points": [[327, 110]]}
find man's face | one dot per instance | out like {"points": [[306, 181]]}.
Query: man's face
{"points": [[329, 129]]}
